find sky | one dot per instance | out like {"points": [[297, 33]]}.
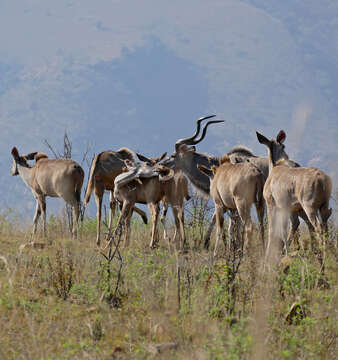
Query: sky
{"points": [[139, 74]]}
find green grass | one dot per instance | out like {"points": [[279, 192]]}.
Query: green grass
{"points": [[54, 301]]}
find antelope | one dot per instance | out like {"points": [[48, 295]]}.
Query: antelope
{"points": [[50, 177], [292, 189], [150, 191], [236, 187], [103, 171], [186, 159], [242, 153], [176, 192]]}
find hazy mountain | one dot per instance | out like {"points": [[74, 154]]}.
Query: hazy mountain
{"points": [[138, 74]]}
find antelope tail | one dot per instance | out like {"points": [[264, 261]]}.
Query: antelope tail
{"points": [[78, 176], [91, 180], [259, 193], [78, 193]]}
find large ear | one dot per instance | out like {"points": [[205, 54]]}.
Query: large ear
{"points": [[31, 156], [162, 156], [143, 158], [281, 137], [262, 139], [15, 152]]}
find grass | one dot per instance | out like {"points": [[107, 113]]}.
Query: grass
{"points": [[53, 302]]}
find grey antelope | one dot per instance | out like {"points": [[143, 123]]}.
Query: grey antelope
{"points": [[241, 153], [236, 187], [148, 190], [292, 189], [186, 159], [103, 171], [176, 190], [50, 177]]}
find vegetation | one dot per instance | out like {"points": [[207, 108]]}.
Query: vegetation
{"points": [[55, 303]]}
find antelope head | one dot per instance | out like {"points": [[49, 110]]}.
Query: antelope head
{"points": [[151, 161], [132, 172], [186, 158], [20, 161], [275, 147], [185, 150]]}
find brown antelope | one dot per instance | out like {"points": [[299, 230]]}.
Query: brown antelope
{"points": [[150, 191], [103, 171], [176, 192], [50, 177], [242, 153], [186, 159], [292, 189], [236, 187]]}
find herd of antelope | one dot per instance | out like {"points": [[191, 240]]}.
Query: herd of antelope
{"points": [[235, 182]]}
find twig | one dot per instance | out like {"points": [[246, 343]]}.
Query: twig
{"points": [[110, 256], [51, 149]]}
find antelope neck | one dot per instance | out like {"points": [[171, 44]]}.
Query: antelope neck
{"points": [[25, 174]]}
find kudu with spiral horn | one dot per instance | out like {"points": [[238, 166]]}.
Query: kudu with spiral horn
{"points": [[186, 159]]}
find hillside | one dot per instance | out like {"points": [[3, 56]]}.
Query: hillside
{"points": [[125, 74]]}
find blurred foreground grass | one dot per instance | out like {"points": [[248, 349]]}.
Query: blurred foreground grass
{"points": [[52, 303]]}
